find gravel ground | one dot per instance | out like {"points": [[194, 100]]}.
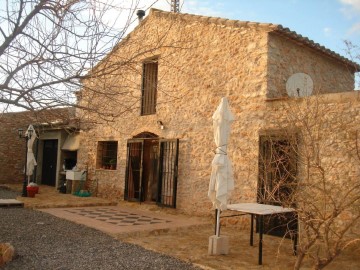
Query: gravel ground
{"points": [[42, 241], [6, 193]]}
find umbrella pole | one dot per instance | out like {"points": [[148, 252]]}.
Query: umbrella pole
{"points": [[217, 222]]}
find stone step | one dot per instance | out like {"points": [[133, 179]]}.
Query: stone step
{"points": [[10, 203]]}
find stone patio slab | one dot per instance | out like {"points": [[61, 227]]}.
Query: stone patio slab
{"points": [[11, 203], [120, 220]]}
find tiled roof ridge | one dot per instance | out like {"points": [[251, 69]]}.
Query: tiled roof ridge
{"points": [[305, 40], [277, 28], [216, 20]]}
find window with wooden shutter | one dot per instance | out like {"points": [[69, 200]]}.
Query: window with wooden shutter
{"points": [[149, 87]]}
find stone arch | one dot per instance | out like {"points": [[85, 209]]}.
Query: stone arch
{"points": [[145, 135]]}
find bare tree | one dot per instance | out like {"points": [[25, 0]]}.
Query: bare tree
{"points": [[353, 52], [48, 46], [314, 167]]}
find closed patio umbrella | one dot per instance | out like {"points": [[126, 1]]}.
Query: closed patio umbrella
{"points": [[30, 160], [221, 180]]}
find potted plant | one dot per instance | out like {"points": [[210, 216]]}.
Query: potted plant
{"points": [[35, 186], [112, 163], [32, 190]]}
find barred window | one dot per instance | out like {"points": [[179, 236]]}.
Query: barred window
{"points": [[149, 87], [106, 155]]}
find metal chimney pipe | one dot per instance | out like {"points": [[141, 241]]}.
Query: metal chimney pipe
{"points": [[140, 13]]}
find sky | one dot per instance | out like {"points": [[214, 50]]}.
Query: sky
{"points": [[327, 22]]}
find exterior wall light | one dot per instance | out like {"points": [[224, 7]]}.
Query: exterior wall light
{"points": [[161, 124]]}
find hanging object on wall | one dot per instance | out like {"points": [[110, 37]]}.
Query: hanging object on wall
{"points": [[299, 85]]}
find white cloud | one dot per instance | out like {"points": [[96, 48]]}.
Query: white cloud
{"points": [[355, 29], [351, 8], [352, 5], [327, 31]]}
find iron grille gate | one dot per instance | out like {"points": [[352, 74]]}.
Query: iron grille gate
{"points": [[167, 169]]}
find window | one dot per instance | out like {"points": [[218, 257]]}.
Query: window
{"points": [[149, 87], [106, 155], [277, 181], [277, 169]]}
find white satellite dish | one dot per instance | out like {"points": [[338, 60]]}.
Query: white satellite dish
{"points": [[299, 85]]}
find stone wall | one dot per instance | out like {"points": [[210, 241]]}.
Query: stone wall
{"points": [[200, 61], [287, 57], [191, 84]]}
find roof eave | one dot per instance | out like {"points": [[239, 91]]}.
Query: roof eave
{"points": [[286, 32]]}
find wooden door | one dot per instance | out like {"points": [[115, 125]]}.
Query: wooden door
{"points": [[150, 170], [49, 162], [134, 170]]}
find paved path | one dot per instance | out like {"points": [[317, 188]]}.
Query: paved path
{"points": [[122, 219]]}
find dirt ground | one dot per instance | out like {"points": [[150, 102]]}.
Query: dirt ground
{"points": [[191, 243]]}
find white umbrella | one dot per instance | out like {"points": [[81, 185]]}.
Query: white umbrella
{"points": [[30, 160], [221, 180]]}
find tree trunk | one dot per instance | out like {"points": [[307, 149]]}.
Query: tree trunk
{"points": [[299, 259]]}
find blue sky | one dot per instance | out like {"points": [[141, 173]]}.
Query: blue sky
{"points": [[327, 22]]}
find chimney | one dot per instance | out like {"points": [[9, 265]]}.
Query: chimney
{"points": [[140, 13]]}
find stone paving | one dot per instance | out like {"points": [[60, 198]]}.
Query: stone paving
{"points": [[173, 233], [116, 216], [125, 220]]}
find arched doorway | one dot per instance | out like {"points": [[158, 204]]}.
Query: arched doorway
{"points": [[151, 170], [142, 167]]}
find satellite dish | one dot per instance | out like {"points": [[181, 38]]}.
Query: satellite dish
{"points": [[299, 85]]}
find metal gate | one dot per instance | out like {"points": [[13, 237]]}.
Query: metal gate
{"points": [[168, 172]]}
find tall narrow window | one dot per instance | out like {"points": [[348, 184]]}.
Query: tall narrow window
{"points": [[149, 87]]}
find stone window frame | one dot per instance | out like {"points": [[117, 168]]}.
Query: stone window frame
{"points": [[106, 155], [149, 86]]}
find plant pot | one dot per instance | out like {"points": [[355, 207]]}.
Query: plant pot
{"points": [[35, 186], [31, 191]]}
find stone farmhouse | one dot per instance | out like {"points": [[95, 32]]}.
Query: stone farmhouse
{"points": [[162, 84]]}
